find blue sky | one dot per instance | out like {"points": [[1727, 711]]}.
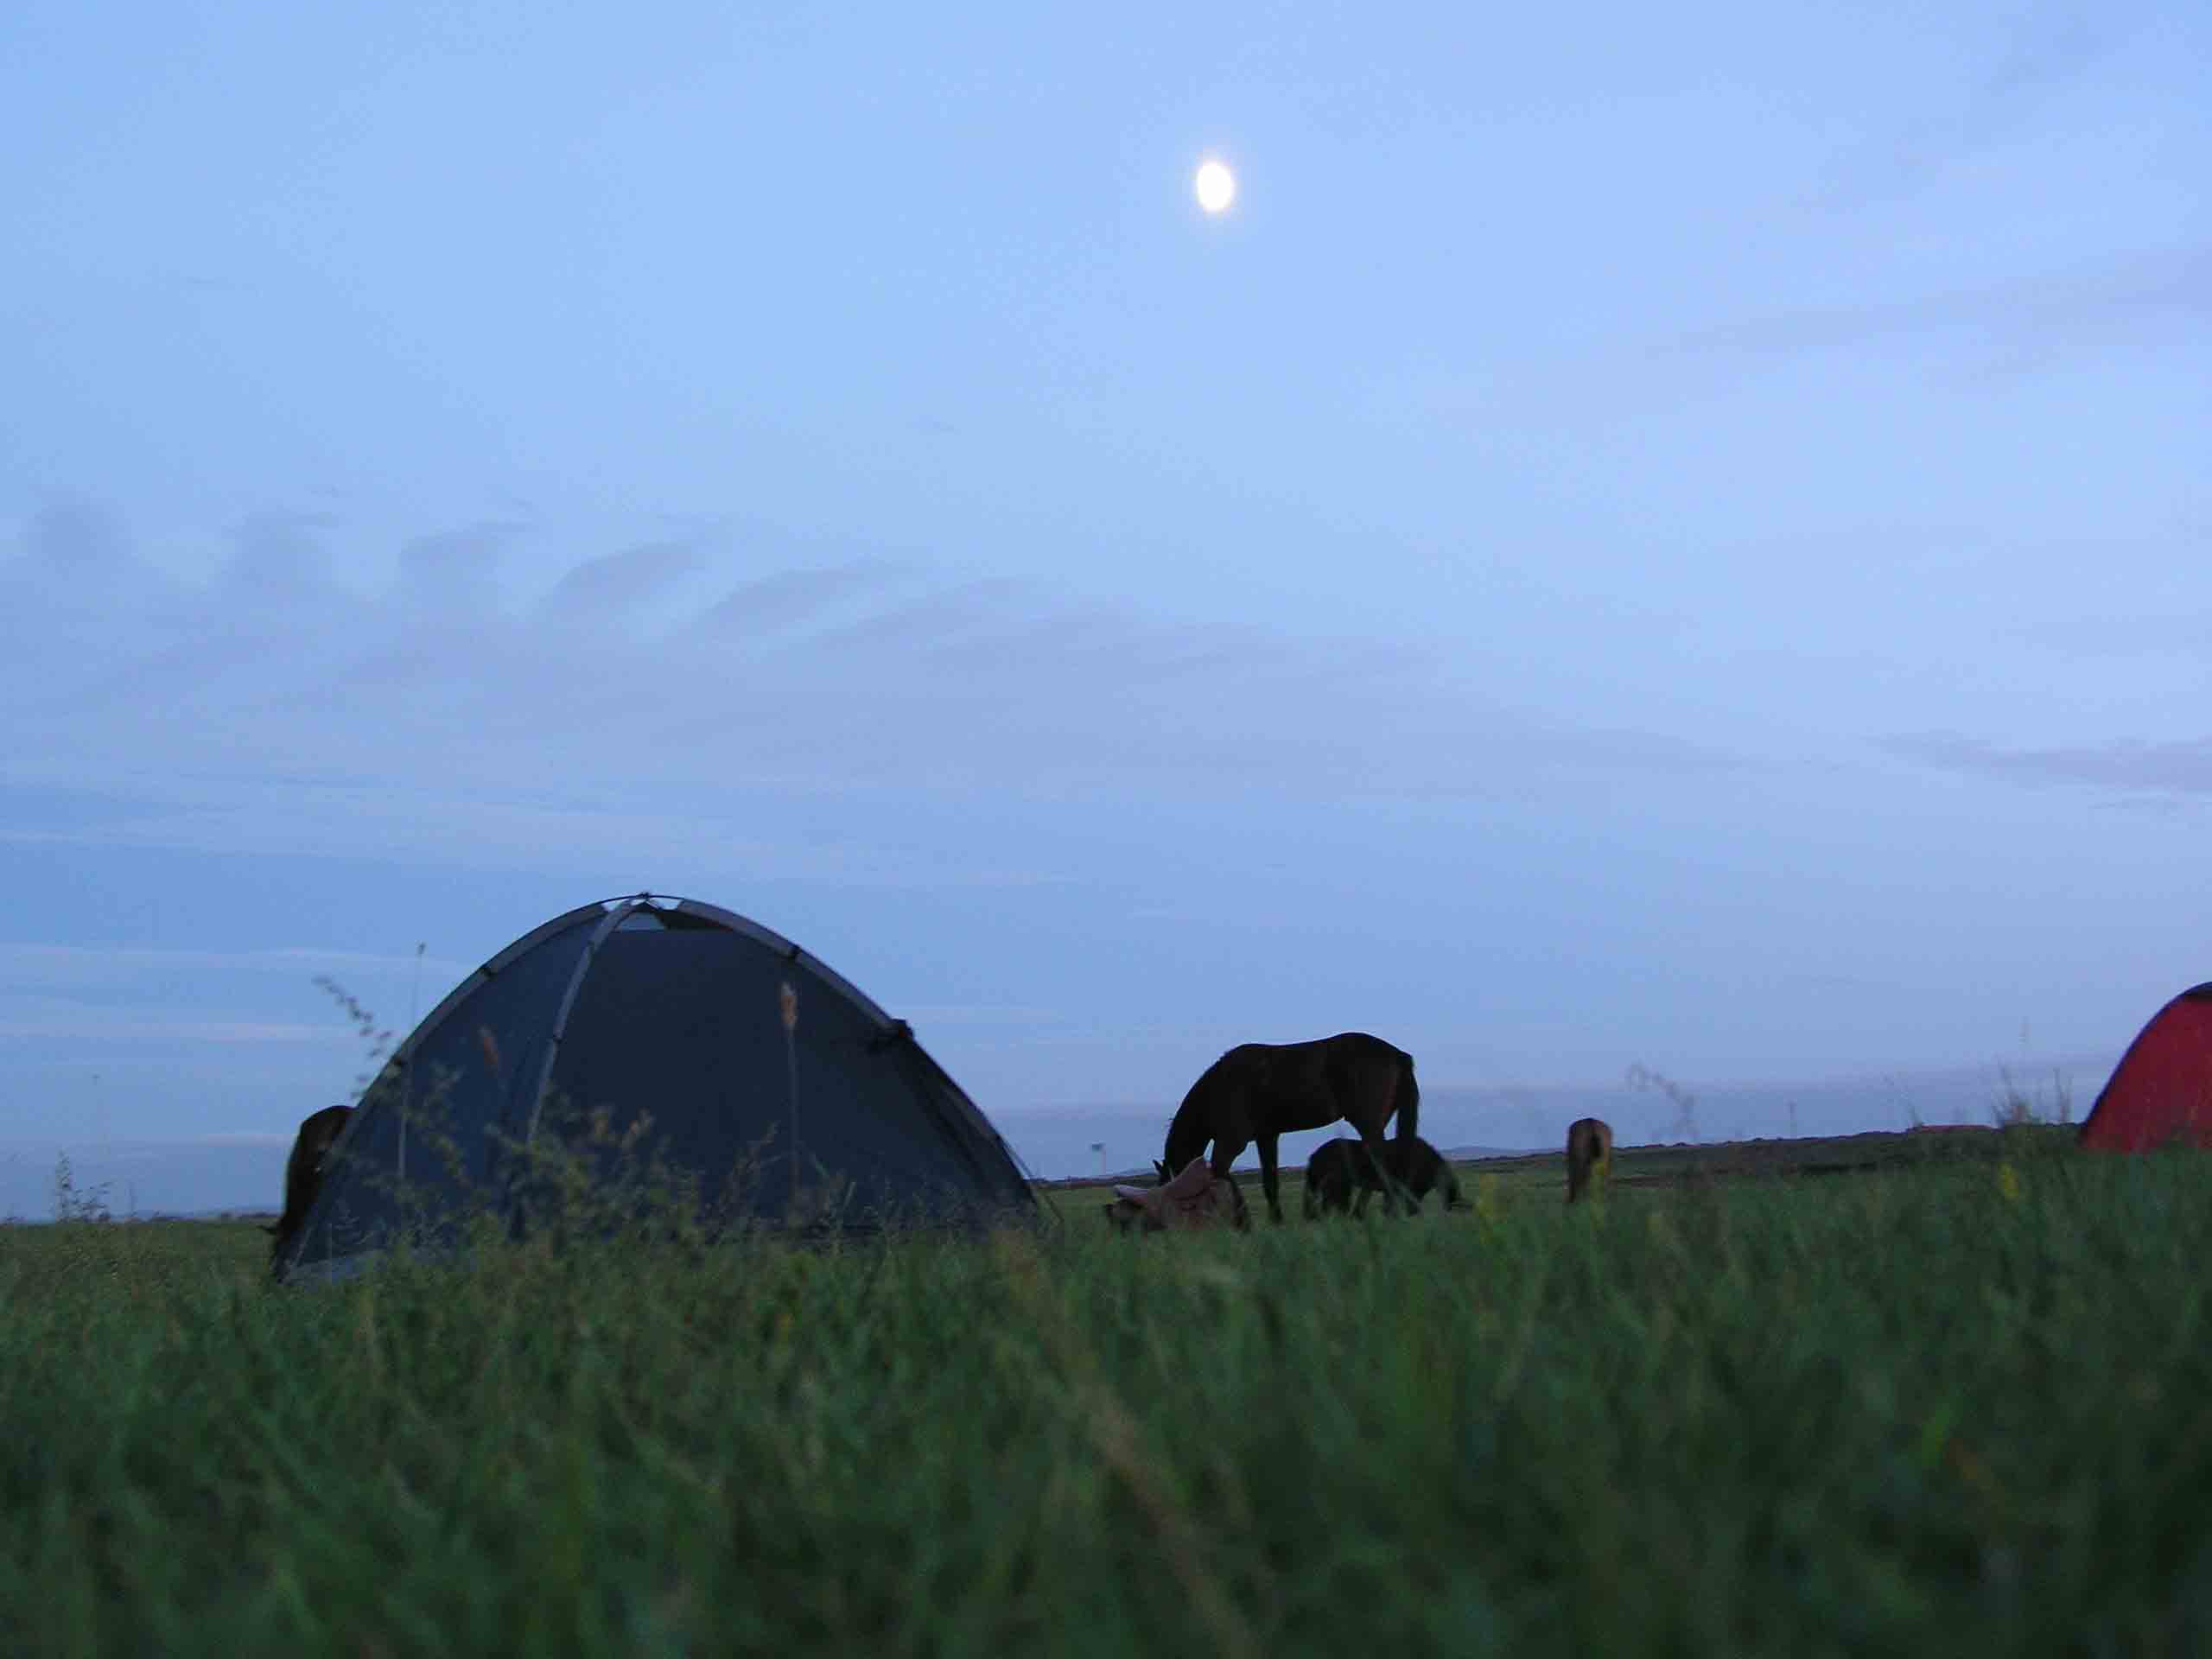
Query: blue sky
{"points": [[1643, 538]]}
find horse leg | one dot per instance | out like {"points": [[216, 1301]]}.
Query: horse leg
{"points": [[1371, 1136], [1225, 1153], [1268, 1178]]}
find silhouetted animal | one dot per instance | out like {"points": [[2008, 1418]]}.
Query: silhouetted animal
{"points": [[1340, 1169], [303, 1173], [1261, 1091], [1589, 1156], [1196, 1198]]}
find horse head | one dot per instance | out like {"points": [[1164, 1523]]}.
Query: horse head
{"points": [[303, 1173]]}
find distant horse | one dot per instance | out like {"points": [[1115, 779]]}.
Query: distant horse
{"points": [[1338, 1169], [1261, 1091], [1589, 1156], [1196, 1198], [303, 1173]]}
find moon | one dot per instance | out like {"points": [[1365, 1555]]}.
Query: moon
{"points": [[1216, 185]]}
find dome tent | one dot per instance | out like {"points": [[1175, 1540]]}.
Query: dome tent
{"points": [[2160, 1094], [730, 1043]]}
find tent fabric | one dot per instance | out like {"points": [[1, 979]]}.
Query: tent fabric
{"points": [[674, 1009], [2160, 1094]]}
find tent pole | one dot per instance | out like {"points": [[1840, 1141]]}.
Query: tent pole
{"points": [[787, 999], [414, 998]]}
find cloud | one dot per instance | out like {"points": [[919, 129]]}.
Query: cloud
{"points": [[2168, 769], [74, 542], [268, 708], [2032, 319], [278, 557], [53, 967], [450, 576], [164, 1019], [658, 829], [100, 1026], [2168, 624], [768, 603], [2043, 57], [614, 585], [924, 1015]]}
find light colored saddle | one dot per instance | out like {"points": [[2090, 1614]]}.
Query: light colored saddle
{"points": [[1193, 1198]]}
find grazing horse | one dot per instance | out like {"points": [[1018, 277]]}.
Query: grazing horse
{"points": [[1261, 1091], [1338, 1169], [1589, 1156], [303, 1173], [1194, 1199]]}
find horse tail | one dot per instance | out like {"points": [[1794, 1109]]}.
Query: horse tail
{"points": [[1408, 1100]]}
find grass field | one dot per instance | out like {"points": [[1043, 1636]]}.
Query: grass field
{"points": [[1961, 1403]]}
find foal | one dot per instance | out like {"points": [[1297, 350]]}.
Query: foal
{"points": [[1340, 1169]]}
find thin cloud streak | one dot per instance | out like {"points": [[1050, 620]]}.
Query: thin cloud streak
{"points": [[2173, 768], [922, 1015], [50, 966], [2077, 304], [770, 602], [109, 1027], [691, 829]]}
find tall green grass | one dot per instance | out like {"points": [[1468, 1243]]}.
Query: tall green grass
{"points": [[1962, 1406]]}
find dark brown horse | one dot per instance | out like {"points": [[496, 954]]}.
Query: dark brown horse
{"points": [[303, 1173], [1340, 1169], [1262, 1091], [1589, 1156]]}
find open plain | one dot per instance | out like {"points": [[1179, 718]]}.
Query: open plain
{"points": [[1954, 1397]]}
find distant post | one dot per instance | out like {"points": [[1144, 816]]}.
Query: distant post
{"points": [[1099, 1147]]}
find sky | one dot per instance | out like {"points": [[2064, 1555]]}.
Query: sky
{"points": [[1645, 539]]}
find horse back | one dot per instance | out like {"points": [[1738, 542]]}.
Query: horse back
{"points": [[1313, 1083], [1369, 1076], [1258, 1089]]}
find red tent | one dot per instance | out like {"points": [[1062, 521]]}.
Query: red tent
{"points": [[2161, 1091]]}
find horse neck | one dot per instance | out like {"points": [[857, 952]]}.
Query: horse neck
{"points": [[1187, 1135]]}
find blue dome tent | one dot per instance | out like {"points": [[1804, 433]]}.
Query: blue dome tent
{"points": [[699, 1039]]}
